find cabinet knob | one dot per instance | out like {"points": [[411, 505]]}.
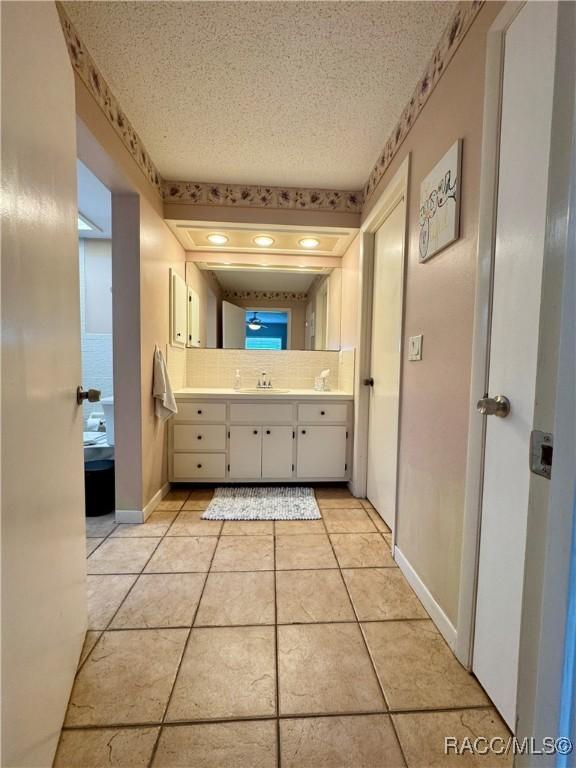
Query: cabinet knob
{"points": [[199, 466], [199, 411], [255, 431], [267, 431], [322, 413], [199, 437], [303, 431]]}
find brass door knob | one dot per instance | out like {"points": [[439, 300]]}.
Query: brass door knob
{"points": [[494, 406], [91, 395]]}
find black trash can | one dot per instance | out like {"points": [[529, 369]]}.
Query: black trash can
{"points": [[99, 487]]}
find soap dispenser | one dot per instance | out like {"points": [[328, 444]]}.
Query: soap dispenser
{"points": [[237, 380]]}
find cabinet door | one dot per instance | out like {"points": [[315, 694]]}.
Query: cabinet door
{"points": [[245, 452], [321, 452], [178, 310], [277, 452], [193, 318]]}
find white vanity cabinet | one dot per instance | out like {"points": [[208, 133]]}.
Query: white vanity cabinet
{"points": [[260, 438]]}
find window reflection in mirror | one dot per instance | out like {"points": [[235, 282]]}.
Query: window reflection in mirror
{"points": [[248, 307]]}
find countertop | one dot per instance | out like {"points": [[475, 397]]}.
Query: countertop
{"points": [[205, 393]]}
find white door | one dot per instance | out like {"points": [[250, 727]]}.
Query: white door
{"points": [[277, 452], [43, 528], [233, 326], [179, 307], [245, 455], [387, 303], [194, 319], [519, 254], [322, 452]]}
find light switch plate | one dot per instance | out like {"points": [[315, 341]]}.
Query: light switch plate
{"points": [[415, 347]]}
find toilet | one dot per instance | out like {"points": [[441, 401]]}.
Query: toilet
{"points": [[108, 408]]}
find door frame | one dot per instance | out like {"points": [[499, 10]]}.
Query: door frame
{"points": [[396, 190], [538, 684]]}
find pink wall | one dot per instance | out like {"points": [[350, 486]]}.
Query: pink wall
{"points": [[440, 305]]}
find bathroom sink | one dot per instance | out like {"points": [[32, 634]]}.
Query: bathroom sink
{"points": [[263, 391]]}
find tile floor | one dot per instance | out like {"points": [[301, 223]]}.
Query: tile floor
{"points": [[260, 644]]}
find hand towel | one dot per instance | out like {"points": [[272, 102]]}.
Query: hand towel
{"points": [[165, 402]]}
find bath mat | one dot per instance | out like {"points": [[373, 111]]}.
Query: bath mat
{"points": [[262, 503]]}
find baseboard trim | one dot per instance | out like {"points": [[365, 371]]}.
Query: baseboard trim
{"points": [[156, 499], [129, 516], [442, 622], [135, 516]]}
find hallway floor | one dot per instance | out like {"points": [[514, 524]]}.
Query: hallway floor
{"points": [[260, 644]]}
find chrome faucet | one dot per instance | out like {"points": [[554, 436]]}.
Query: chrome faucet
{"points": [[264, 383]]}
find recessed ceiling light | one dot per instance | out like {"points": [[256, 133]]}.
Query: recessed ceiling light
{"points": [[264, 241], [309, 242], [218, 239]]}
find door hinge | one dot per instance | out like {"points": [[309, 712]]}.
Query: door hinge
{"points": [[292, 467], [228, 467], [346, 434], [293, 438], [345, 467], [541, 453], [228, 433]]}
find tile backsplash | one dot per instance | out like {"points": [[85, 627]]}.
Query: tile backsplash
{"points": [[294, 369]]}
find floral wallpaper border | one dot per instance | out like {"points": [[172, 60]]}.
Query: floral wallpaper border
{"points": [[258, 196], [240, 195], [445, 50], [266, 295], [84, 65]]}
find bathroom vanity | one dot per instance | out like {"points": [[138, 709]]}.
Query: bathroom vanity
{"points": [[225, 435]]}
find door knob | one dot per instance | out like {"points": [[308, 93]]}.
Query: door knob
{"points": [[494, 406], [92, 395], [368, 382]]}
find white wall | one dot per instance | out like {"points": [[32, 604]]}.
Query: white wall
{"points": [[95, 283]]}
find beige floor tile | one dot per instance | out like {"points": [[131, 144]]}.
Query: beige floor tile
{"points": [[248, 528], [332, 492], [361, 550], [152, 530], [195, 506], [377, 520], [237, 598], [106, 748], [101, 526], [312, 596], [303, 551], [248, 744], [177, 494], [291, 527], [325, 668], [105, 593], [360, 741], [162, 516], [388, 539], [121, 556], [422, 738], [381, 594], [226, 672], [244, 553], [181, 554], [191, 524], [417, 669], [170, 505], [161, 600], [348, 521], [89, 642], [200, 494], [91, 545], [127, 678], [341, 503]]}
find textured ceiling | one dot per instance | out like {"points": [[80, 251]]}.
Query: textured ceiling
{"points": [[278, 93]]}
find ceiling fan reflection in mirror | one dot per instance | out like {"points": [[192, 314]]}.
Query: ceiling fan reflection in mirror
{"points": [[254, 323]]}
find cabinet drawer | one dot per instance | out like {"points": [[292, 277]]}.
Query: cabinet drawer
{"points": [[192, 437], [201, 412], [195, 466], [323, 412], [261, 413]]}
